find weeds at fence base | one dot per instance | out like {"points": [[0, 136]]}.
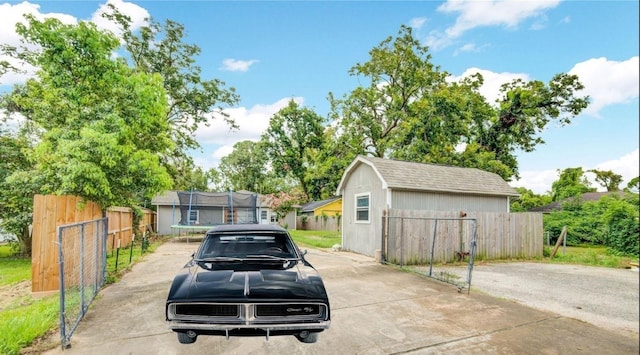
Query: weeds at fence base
{"points": [[120, 260]]}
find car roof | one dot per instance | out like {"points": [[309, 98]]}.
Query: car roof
{"points": [[246, 228]]}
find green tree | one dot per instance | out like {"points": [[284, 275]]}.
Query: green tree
{"points": [[246, 167], [160, 49], [607, 179], [528, 200], [327, 165], [633, 185], [194, 178], [100, 125], [525, 109], [411, 110], [571, 183], [15, 205], [294, 133]]}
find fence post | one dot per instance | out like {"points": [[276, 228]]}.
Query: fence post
{"points": [[385, 232], [433, 246], [563, 235], [402, 241]]}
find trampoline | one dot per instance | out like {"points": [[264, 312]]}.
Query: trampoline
{"points": [[200, 211]]}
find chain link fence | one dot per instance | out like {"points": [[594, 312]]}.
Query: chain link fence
{"points": [[440, 248], [82, 249]]}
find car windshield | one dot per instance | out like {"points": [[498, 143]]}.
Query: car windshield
{"points": [[247, 245]]}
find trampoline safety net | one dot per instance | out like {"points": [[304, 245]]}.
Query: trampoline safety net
{"points": [[214, 208]]}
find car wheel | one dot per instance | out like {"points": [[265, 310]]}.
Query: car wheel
{"points": [[184, 338], [307, 337]]}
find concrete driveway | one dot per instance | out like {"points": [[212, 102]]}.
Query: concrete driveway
{"points": [[376, 309]]}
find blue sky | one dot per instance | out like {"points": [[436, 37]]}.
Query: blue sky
{"points": [[274, 51]]}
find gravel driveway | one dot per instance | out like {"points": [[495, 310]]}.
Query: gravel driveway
{"points": [[605, 297]]}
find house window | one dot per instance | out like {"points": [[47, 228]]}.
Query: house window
{"points": [[194, 216], [363, 207]]}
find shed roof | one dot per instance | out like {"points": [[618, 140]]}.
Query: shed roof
{"points": [[404, 175]]}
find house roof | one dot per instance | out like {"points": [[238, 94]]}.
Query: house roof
{"points": [[587, 196], [404, 175], [312, 206], [170, 198]]}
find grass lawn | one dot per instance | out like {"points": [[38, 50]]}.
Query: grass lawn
{"points": [[316, 239], [25, 318], [593, 255]]}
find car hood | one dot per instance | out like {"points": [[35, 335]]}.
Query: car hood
{"points": [[197, 283]]}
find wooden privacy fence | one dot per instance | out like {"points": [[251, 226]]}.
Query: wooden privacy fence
{"points": [[326, 223], [409, 235], [51, 211], [120, 230]]}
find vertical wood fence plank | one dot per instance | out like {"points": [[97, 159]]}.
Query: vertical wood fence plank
{"points": [[49, 212]]}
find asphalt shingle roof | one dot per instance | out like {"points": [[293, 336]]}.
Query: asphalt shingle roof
{"points": [[431, 177], [311, 206]]}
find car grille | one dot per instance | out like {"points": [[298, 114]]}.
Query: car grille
{"points": [[286, 310], [248, 313], [206, 309]]}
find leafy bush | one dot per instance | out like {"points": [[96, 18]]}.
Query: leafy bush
{"points": [[622, 220], [612, 221]]}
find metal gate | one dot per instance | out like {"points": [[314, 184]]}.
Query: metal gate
{"points": [[82, 249], [440, 248]]}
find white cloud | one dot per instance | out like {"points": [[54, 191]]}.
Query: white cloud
{"points": [[507, 13], [627, 166], [217, 140], [138, 15], [237, 65], [10, 15], [469, 48], [417, 22], [540, 181], [608, 82], [472, 14], [492, 81], [537, 181]]}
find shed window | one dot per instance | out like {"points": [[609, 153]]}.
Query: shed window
{"points": [[362, 207]]}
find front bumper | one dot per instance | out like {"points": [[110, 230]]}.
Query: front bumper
{"points": [[266, 330], [246, 319], [180, 326]]}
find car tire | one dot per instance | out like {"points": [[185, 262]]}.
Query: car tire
{"points": [[310, 337], [183, 338]]}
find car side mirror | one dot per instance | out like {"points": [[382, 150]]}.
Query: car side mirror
{"points": [[304, 252]]}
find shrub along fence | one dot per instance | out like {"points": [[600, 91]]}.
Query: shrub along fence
{"points": [[51, 212]]}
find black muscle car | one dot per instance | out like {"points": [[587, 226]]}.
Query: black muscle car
{"points": [[247, 280]]}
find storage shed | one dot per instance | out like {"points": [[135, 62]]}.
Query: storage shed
{"points": [[370, 185]]}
